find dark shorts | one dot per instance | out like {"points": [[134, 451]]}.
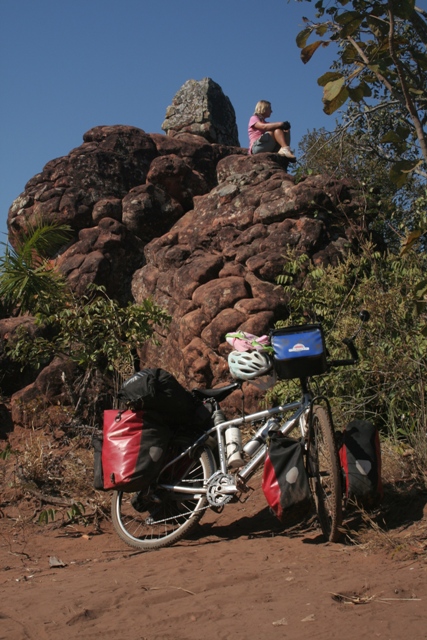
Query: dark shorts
{"points": [[265, 144]]}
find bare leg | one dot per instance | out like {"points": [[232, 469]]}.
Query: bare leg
{"points": [[282, 137]]}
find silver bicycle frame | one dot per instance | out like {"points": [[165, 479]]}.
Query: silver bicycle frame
{"points": [[300, 407]]}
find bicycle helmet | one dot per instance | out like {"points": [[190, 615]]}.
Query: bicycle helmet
{"points": [[248, 364]]}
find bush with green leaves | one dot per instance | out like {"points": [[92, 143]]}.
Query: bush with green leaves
{"points": [[94, 331], [388, 384]]}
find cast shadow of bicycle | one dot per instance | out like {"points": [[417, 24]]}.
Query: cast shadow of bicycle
{"points": [[402, 507], [296, 523]]}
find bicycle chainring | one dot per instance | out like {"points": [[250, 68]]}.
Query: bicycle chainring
{"points": [[215, 489]]}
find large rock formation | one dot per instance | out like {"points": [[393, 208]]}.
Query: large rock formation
{"points": [[203, 109], [200, 227], [118, 190], [215, 270]]}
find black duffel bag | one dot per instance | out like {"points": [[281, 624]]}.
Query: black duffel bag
{"points": [[158, 390]]}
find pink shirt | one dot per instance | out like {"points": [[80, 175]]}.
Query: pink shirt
{"points": [[253, 133]]}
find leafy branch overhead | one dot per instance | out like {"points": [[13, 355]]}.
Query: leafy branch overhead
{"points": [[381, 58]]}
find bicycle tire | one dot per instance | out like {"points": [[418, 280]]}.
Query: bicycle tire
{"points": [[163, 517], [324, 474]]}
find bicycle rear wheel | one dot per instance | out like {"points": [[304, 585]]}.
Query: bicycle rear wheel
{"points": [[324, 474], [160, 517]]}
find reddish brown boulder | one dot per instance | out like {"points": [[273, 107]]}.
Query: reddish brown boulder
{"points": [[32, 405], [149, 211], [177, 179], [120, 174], [215, 270], [107, 254]]}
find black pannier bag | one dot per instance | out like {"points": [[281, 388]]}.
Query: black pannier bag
{"points": [[360, 458], [157, 389], [299, 351], [98, 475], [284, 480]]}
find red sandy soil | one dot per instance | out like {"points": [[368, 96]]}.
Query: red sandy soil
{"points": [[241, 576]]}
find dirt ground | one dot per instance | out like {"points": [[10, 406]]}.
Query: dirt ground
{"points": [[241, 576]]}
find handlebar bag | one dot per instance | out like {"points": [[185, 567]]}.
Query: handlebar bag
{"points": [[360, 458], [299, 351], [284, 480], [133, 449]]}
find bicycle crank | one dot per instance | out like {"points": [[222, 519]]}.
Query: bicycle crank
{"points": [[220, 489]]}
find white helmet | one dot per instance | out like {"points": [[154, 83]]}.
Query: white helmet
{"points": [[248, 364]]}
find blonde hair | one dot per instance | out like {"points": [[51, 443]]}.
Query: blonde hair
{"points": [[262, 107]]}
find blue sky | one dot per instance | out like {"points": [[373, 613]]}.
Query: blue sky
{"points": [[69, 65]]}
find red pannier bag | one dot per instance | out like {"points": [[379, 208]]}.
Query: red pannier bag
{"points": [[284, 481], [133, 448]]}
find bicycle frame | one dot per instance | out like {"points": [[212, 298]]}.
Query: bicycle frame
{"points": [[301, 408]]}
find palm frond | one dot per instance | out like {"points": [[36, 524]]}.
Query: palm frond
{"points": [[28, 282]]}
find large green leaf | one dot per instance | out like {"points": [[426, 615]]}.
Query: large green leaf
{"points": [[356, 93], [350, 21], [347, 16], [349, 55], [400, 170], [302, 37], [332, 89], [329, 76], [337, 102], [366, 89], [402, 8]]}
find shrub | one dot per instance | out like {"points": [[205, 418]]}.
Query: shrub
{"points": [[388, 385]]}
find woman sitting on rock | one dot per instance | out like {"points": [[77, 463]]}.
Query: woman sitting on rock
{"points": [[269, 136]]}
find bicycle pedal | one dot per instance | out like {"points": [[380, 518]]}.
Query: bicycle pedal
{"points": [[217, 509], [247, 491], [242, 486]]}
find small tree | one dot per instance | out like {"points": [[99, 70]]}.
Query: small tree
{"points": [[381, 63], [353, 153], [28, 281]]}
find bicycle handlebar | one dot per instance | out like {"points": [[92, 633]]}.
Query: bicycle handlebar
{"points": [[354, 355], [349, 343]]}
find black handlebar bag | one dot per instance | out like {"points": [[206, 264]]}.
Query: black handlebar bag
{"points": [[284, 481], [299, 351]]}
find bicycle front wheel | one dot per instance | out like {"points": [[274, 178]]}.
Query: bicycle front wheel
{"points": [[324, 474], [160, 517]]}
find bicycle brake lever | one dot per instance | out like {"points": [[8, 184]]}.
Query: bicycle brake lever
{"points": [[351, 347]]}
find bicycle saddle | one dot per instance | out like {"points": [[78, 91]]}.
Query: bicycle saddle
{"points": [[218, 394]]}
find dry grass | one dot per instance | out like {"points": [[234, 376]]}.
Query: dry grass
{"points": [[398, 524], [53, 470], [51, 474]]}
